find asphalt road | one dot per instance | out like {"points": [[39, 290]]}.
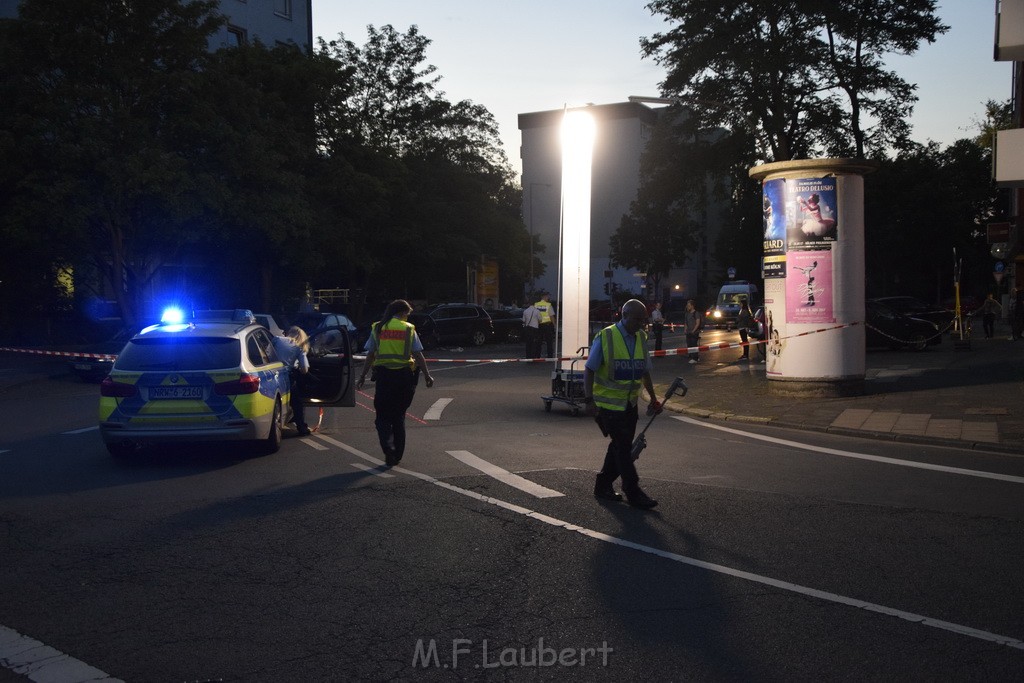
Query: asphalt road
{"points": [[774, 555]]}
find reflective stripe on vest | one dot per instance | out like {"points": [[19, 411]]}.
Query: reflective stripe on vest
{"points": [[394, 344], [618, 381]]}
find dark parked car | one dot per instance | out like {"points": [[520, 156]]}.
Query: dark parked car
{"points": [[508, 326], [888, 327], [453, 324], [314, 322], [916, 308]]}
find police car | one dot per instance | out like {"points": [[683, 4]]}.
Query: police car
{"points": [[213, 378]]}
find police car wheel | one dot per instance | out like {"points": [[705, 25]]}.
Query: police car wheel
{"points": [[272, 444]]}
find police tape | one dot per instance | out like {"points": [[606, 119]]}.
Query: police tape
{"points": [[65, 354], [655, 354], [479, 361]]}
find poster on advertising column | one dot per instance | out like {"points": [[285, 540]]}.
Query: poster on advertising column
{"points": [[809, 287], [773, 203], [811, 220]]}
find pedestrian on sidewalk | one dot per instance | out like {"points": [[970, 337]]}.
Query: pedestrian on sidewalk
{"points": [[657, 325], [744, 321], [692, 322], [988, 315]]}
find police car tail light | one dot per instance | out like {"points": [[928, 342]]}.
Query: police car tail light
{"points": [[246, 384], [112, 389]]}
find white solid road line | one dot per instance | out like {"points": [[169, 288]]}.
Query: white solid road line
{"points": [[39, 662], [504, 476], [434, 412], [700, 564], [859, 456], [372, 470], [83, 430]]}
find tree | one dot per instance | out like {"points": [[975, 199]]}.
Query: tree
{"points": [[777, 68], [90, 99], [860, 33], [443, 182], [918, 207]]}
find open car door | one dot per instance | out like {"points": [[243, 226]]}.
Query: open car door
{"points": [[329, 382]]}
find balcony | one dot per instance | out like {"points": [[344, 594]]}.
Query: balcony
{"points": [[1009, 31]]}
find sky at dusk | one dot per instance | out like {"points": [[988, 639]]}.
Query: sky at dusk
{"points": [[536, 55]]}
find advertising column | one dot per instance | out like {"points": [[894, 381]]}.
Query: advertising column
{"points": [[813, 271]]}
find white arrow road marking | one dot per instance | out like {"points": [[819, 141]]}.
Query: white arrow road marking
{"points": [[434, 412], [859, 456], [83, 430], [504, 476], [709, 566], [39, 662]]}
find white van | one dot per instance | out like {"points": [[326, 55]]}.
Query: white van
{"points": [[727, 306]]}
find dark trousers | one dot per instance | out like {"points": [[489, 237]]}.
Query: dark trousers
{"points": [[531, 335], [743, 338], [621, 427], [659, 331], [393, 396], [547, 336], [692, 340], [988, 320], [297, 381]]}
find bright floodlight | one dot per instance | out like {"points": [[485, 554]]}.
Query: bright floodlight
{"points": [[172, 316], [578, 131]]}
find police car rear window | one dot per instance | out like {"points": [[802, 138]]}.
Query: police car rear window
{"points": [[169, 353]]}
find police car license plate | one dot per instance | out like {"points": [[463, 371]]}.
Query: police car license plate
{"points": [[157, 393]]}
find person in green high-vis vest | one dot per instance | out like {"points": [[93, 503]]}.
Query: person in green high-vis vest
{"points": [[617, 367]]}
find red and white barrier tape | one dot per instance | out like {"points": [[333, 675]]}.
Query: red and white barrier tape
{"points": [[66, 354], [468, 361]]}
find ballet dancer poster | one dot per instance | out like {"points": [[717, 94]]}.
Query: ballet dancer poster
{"points": [[809, 287], [812, 222]]}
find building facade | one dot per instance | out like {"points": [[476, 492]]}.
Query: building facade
{"points": [[1008, 155], [623, 131]]}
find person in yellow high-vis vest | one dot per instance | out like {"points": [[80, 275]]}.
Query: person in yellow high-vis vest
{"points": [[395, 353], [546, 328], [617, 367]]}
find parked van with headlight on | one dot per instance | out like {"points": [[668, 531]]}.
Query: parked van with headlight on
{"points": [[727, 305]]}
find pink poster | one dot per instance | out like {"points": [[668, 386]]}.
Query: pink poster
{"points": [[809, 287]]}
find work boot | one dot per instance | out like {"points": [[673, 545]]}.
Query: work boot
{"points": [[639, 499], [603, 489]]}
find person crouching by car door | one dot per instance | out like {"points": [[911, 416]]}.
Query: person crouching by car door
{"points": [[395, 353], [292, 349]]}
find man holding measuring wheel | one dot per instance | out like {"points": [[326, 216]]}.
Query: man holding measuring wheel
{"points": [[616, 368]]}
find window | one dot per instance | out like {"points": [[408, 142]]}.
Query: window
{"points": [[237, 36], [283, 8]]}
